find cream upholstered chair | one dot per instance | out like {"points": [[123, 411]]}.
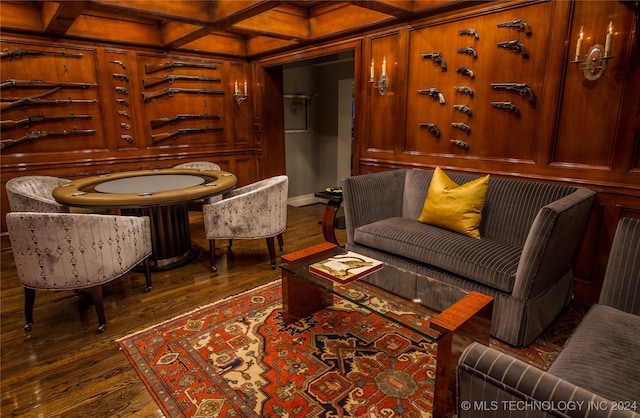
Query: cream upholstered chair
{"points": [[33, 194], [196, 205], [199, 165], [257, 210], [69, 251]]}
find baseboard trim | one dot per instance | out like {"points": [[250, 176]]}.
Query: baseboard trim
{"points": [[303, 200]]}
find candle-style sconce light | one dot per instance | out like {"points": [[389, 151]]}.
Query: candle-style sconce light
{"points": [[383, 81], [238, 95], [596, 58]]}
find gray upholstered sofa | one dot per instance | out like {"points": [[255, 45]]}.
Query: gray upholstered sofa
{"points": [[597, 373], [529, 233]]}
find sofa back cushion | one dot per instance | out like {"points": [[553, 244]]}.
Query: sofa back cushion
{"points": [[509, 210]]}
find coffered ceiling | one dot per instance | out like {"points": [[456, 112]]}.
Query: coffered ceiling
{"points": [[241, 28]]}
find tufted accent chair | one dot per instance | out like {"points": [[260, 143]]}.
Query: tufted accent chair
{"points": [[257, 210], [69, 251], [33, 194]]}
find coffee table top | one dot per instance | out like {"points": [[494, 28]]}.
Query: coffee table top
{"points": [[389, 292]]}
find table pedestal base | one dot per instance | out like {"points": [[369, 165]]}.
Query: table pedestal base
{"points": [[170, 235]]}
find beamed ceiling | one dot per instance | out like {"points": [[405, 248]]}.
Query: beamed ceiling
{"points": [[239, 28]]}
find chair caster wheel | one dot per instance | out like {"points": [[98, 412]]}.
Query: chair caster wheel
{"points": [[214, 269], [27, 327], [101, 328], [273, 267]]}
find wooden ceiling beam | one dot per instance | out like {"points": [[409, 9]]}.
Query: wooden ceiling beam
{"points": [[397, 8], [58, 17], [222, 16], [284, 22], [195, 12]]}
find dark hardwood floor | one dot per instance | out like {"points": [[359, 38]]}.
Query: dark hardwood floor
{"points": [[63, 368]]}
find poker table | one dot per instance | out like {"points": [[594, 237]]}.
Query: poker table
{"points": [[162, 195]]}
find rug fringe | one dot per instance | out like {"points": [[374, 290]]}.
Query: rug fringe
{"points": [[133, 334]]}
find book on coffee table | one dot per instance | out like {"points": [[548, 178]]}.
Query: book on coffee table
{"points": [[346, 267]]}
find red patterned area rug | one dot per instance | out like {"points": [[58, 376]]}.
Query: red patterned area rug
{"points": [[237, 358]]}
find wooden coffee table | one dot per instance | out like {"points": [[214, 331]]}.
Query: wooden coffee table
{"points": [[456, 317]]}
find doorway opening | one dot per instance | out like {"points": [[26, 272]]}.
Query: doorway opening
{"points": [[318, 115]]}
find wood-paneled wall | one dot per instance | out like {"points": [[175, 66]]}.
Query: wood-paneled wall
{"points": [[577, 131], [109, 97]]}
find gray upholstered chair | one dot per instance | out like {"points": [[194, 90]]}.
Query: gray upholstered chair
{"points": [[68, 251], [33, 194], [196, 205], [199, 165], [597, 373], [257, 210]]}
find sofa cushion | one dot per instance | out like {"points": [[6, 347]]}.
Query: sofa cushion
{"points": [[603, 354], [485, 261], [455, 207]]}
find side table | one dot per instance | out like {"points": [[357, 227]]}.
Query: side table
{"points": [[329, 220]]}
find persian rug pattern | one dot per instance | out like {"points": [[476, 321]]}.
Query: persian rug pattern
{"points": [[238, 358]]}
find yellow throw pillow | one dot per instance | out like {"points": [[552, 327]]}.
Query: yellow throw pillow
{"points": [[455, 207]]}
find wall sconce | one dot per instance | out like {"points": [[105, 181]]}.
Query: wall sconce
{"points": [[596, 59], [238, 95], [383, 81]]}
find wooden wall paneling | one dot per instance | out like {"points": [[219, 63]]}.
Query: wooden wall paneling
{"points": [[238, 120], [492, 130], [384, 111], [591, 109], [182, 133], [74, 76], [592, 256], [270, 122]]}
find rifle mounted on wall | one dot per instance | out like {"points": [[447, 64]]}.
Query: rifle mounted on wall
{"points": [[148, 95], [156, 123], [19, 53], [29, 120], [167, 135], [152, 68], [148, 82], [12, 82], [35, 135]]}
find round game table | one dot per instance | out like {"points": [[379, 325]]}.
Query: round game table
{"points": [[162, 195]]}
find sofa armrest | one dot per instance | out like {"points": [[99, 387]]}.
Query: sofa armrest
{"points": [[551, 243], [621, 285], [372, 197], [494, 384]]}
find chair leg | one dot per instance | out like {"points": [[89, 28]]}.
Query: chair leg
{"points": [[96, 295], [29, 302], [147, 274], [280, 241], [212, 253], [272, 251]]}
